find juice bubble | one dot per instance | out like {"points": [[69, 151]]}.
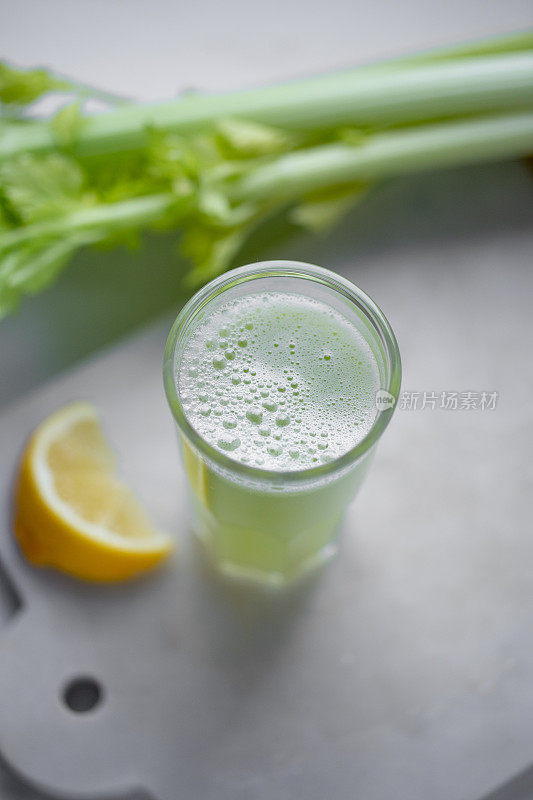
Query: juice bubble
{"points": [[255, 415], [228, 442]]}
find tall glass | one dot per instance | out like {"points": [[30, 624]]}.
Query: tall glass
{"points": [[260, 524]]}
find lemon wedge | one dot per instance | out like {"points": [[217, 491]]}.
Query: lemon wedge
{"points": [[72, 512]]}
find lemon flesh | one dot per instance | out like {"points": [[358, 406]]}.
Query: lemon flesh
{"points": [[72, 512]]}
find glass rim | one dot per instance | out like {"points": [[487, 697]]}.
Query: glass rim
{"points": [[284, 269]]}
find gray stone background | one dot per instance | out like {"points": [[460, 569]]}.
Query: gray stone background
{"points": [[152, 50]]}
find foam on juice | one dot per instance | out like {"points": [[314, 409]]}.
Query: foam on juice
{"points": [[278, 381]]}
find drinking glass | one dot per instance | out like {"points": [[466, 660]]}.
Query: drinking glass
{"points": [[261, 524]]}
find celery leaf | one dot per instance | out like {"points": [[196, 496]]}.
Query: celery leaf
{"points": [[67, 123], [321, 211], [39, 187], [240, 138], [20, 87]]}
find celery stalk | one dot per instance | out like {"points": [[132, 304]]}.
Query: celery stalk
{"points": [[217, 166], [389, 154], [369, 98], [380, 156]]}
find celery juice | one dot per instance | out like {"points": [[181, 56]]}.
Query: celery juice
{"points": [[275, 388], [279, 381]]}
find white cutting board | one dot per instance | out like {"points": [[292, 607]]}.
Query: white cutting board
{"points": [[404, 671]]}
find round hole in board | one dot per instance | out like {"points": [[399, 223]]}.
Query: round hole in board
{"points": [[82, 694]]}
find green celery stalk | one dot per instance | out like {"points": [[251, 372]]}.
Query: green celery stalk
{"points": [[299, 173], [309, 148], [388, 154], [369, 98], [138, 211]]}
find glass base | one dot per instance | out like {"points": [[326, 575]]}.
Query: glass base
{"points": [[268, 578]]}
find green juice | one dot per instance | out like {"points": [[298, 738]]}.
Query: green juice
{"points": [[282, 385]]}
